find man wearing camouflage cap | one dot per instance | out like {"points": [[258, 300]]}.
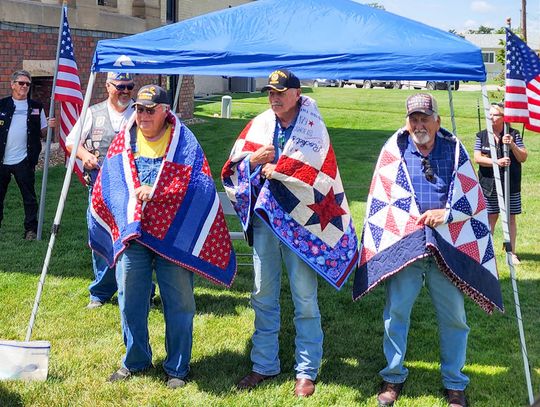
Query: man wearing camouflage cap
{"points": [[426, 224], [103, 121]]}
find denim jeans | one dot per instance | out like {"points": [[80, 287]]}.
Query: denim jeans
{"points": [[104, 285], [25, 176], [268, 252], [402, 290], [134, 276]]}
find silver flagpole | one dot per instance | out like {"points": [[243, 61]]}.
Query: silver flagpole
{"points": [[506, 235], [451, 103], [60, 207], [49, 133]]}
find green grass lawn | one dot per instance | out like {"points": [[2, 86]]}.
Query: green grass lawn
{"points": [[86, 345]]}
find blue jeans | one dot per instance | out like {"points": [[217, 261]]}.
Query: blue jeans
{"points": [[104, 285], [134, 276], [268, 253], [402, 290]]}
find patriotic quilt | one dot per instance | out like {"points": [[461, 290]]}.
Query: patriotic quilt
{"points": [[183, 222], [304, 203], [391, 239]]}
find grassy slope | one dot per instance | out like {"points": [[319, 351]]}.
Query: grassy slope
{"points": [[87, 345]]}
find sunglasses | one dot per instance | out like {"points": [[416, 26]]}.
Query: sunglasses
{"points": [[148, 110], [129, 86], [23, 83], [427, 170]]}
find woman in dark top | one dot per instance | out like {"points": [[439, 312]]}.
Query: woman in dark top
{"points": [[518, 155]]}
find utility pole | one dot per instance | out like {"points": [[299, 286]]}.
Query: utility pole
{"points": [[524, 19]]}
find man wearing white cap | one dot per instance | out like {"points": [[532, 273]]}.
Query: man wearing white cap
{"points": [[103, 121]]}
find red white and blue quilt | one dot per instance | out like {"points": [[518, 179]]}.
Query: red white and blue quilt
{"points": [[391, 238], [304, 203], [183, 222]]}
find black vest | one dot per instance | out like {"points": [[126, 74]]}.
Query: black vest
{"points": [[485, 174], [33, 128]]}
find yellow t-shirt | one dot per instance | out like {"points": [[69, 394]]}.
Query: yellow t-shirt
{"points": [[152, 149]]}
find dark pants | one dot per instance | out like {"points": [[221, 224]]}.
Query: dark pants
{"points": [[25, 177]]}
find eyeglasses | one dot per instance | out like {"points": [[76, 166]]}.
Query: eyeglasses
{"points": [[148, 110], [23, 83], [428, 171], [496, 115], [129, 86]]}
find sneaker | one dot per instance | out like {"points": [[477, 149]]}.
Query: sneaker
{"points": [[120, 375], [30, 235], [94, 304], [175, 382]]}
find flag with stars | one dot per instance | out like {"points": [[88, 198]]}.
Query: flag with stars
{"points": [[67, 90], [304, 203], [183, 222], [391, 238], [522, 99]]}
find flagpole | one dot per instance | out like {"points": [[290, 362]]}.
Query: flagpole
{"points": [[509, 259], [49, 132], [60, 207], [451, 103]]}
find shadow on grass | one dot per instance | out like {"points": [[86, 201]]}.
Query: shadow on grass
{"points": [[9, 398]]}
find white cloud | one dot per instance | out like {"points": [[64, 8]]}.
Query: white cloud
{"points": [[481, 6], [470, 24]]}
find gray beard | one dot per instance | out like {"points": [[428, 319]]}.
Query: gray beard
{"points": [[420, 137]]}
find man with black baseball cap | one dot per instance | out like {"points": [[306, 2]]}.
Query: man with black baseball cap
{"points": [[103, 121], [289, 134]]}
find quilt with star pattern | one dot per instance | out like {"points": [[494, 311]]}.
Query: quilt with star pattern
{"points": [[391, 238], [184, 220], [304, 203]]}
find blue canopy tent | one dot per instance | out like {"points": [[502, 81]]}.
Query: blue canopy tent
{"points": [[338, 39]]}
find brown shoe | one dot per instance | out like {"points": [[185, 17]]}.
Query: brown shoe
{"points": [[304, 388], [252, 380], [389, 393], [455, 398]]}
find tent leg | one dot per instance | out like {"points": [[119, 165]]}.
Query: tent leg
{"points": [[60, 207], [177, 94], [506, 235]]}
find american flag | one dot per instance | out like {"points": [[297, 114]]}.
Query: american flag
{"points": [[68, 89], [522, 100]]}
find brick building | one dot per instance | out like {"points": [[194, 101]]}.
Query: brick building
{"points": [[29, 35]]}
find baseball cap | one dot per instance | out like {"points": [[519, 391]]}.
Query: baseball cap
{"points": [[422, 103], [119, 76], [281, 80], [151, 95]]}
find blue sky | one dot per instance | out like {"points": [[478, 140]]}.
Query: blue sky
{"points": [[462, 15]]}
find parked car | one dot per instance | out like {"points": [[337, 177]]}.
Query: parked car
{"points": [[430, 85], [371, 83], [315, 83]]}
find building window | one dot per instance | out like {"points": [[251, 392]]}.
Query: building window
{"points": [[108, 3], [488, 57]]}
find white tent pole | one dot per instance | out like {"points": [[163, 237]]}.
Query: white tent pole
{"points": [[451, 103], [506, 235], [60, 207], [177, 93], [49, 134]]}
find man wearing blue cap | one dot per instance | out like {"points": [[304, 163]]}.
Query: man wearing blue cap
{"points": [[103, 121]]}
